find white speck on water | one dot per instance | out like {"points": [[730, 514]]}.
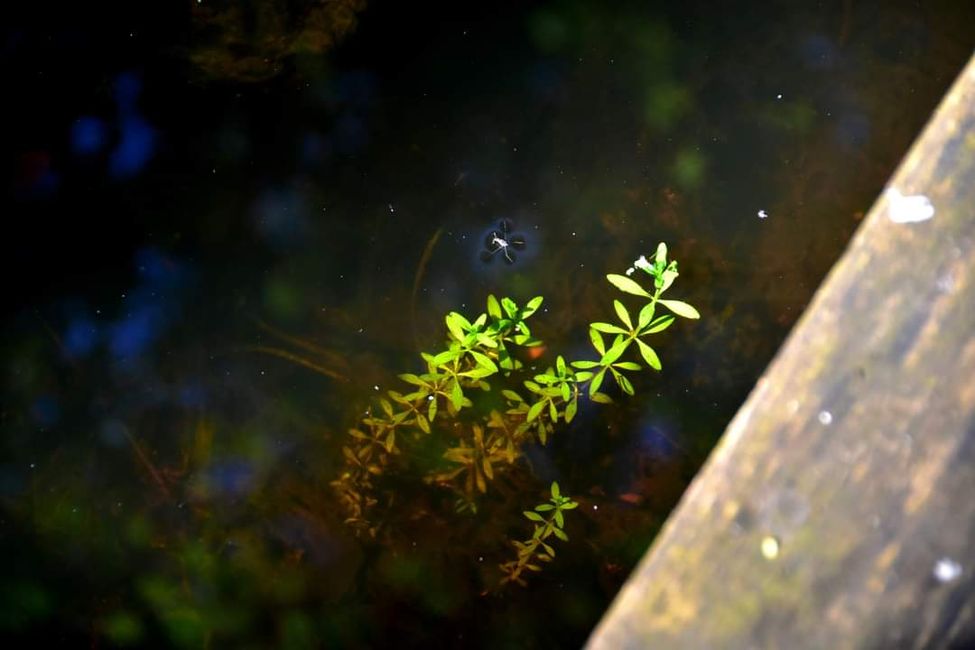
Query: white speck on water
{"points": [[32, 465], [770, 547], [779, 96], [390, 206], [762, 214], [429, 398], [376, 387], [825, 418], [946, 570], [595, 507], [908, 209], [946, 283]]}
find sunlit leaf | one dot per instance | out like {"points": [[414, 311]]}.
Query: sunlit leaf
{"points": [[484, 361], [488, 470], [585, 364], [456, 324], [494, 309], [659, 324], [423, 423], [661, 258], [560, 365], [457, 395], [597, 341], [597, 381], [432, 410], [608, 328], [566, 392], [510, 308], [544, 507], [534, 516], [512, 395], [559, 519], [614, 353], [624, 383], [570, 410], [627, 365], [560, 534], [570, 505], [645, 315], [602, 398], [535, 410], [532, 306], [680, 308], [554, 490], [391, 440], [627, 285], [413, 379], [622, 313], [649, 355], [553, 412]]}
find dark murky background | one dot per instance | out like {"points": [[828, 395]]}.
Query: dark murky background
{"points": [[196, 191]]}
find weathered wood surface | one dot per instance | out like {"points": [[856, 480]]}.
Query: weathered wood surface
{"points": [[838, 511]]}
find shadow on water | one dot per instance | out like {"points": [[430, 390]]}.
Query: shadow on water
{"points": [[232, 228]]}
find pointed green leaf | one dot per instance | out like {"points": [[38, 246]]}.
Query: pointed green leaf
{"points": [[494, 309], [554, 489], [510, 308], [553, 412], [624, 383], [423, 423], [566, 392], [457, 395], [680, 308], [622, 313], [560, 534], [602, 398], [535, 410], [597, 341], [570, 410], [627, 285], [627, 365], [645, 315], [432, 410], [649, 355], [532, 306], [512, 395], [413, 379], [456, 324], [585, 364], [484, 361], [544, 507], [659, 324], [534, 516], [597, 381], [560, 365], [612, 354], [661, 258], [608, 328]]}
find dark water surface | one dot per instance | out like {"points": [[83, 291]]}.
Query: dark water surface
{"points": [[228, 224]]}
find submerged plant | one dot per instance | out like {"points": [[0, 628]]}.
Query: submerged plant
{"points": [[549, 520], [479, 445]]}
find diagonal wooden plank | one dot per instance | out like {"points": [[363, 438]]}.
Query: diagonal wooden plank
{"points": [[838, 510]]}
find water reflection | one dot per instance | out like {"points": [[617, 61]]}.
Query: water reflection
{"points": [[212, 284]]}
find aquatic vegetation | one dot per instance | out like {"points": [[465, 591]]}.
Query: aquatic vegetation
{"points": [[547, 525], [480, 432]]}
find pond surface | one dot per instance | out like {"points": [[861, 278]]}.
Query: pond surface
{"points": [[231, 227]]}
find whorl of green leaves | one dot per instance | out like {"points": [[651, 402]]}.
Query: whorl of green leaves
{"points": [[479, 450]]}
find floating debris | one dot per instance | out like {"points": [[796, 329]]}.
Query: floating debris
{"points": [[762, 214], [908, 209], [770, 547], [946, 570], [825, 418]]}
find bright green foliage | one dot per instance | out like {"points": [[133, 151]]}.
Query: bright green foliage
{"points": [[481, 444], [549, 520]]}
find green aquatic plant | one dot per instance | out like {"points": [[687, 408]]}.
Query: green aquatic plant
{"points": [[548, 520], [478, 441]]}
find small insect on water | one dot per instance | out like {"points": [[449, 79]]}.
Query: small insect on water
{"points": [[502, 241]]}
